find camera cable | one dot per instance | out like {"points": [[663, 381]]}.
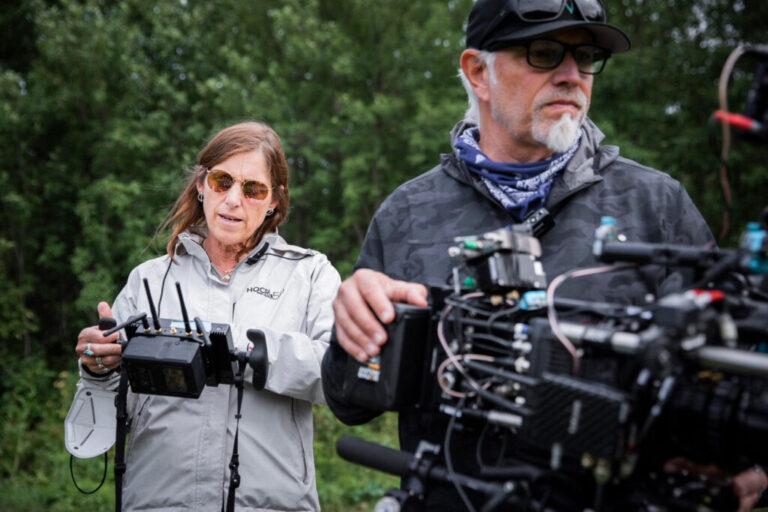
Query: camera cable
{"points": [[552, 314], [74, 481], [234, 464], [722, 96], [449, 462]]}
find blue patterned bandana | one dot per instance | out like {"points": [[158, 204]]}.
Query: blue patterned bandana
{"points": [[521, 188]]}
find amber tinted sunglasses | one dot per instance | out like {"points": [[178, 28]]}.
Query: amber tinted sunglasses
{"points": [[221, 181]]}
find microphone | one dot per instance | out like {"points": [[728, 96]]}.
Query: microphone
{"points": [[257, 255], [372, 455], [395, 462]]}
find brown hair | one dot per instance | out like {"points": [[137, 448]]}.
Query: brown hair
{"points": [[187, 211]]}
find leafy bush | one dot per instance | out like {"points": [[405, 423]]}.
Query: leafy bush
{"points": [[342, 485], [34, 466]]}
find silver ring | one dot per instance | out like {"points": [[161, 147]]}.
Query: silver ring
{"points": [[88, 351], [99, 363]]}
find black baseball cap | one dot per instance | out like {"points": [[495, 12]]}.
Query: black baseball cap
{"points": [[494, 23]]}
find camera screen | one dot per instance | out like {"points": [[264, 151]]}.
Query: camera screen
{"points": [[174, 380], [143, 376]]}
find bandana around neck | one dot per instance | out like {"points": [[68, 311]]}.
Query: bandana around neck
{"points": [[520, 188]]}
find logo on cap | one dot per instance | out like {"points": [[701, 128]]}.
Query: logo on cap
{"points": [[569, 6]]}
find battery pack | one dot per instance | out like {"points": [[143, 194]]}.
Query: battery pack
{"points": [[393, 379]]}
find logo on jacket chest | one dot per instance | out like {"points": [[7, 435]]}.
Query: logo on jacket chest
{"points": [[266, 292]]}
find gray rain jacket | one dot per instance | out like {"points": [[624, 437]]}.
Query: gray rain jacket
{"points": [[179, 449], [412, 230]]}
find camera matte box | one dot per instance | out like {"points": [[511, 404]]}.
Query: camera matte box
{"points": [[392, 380]]}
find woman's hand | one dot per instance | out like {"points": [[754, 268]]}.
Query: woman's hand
{"points": [[96, 352]]}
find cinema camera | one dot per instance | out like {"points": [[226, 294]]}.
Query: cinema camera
{"points": [[169, 358], [583, 412]]}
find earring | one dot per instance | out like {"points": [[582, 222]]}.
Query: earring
{"points": [[270, 211], [200, 197]]}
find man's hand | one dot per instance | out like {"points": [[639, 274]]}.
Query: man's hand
{"points": [[747, 485], [366, 292], [96, 352]]}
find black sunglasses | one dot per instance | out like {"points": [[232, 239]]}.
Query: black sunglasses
{"points": [[548, 54], [547, 10], [221, 181], [537, 11]]}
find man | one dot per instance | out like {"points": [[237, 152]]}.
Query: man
{"points": [[526, 143]]}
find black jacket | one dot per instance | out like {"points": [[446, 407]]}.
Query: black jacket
{"points": [[410, 233]]}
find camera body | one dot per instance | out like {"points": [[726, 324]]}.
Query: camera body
{"points": [[401, 376], [599, 398]]}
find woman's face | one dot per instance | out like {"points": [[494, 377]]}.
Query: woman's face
{"points": [[231, 216]]}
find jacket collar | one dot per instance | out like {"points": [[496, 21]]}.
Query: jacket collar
{"points": [[585, 168], [191, 243]]}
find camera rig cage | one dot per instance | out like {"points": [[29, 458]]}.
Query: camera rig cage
{"points": [[595, 396], [168, 358]]}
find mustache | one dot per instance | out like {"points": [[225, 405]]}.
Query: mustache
{"points": [[575, 96]]}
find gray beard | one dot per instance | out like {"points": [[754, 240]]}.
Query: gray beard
{"points": [[560, 136]]}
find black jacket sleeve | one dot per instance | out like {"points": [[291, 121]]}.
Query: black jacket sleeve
{"points": [[333, 369]]}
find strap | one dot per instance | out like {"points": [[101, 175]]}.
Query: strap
{"points": [[120, 432], [234, 463]]}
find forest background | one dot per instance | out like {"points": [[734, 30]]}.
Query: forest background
{"points": [[103, 106]]}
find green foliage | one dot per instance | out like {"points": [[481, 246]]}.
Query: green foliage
{"points": [[655, 101], [342, 485], [34, 469]]}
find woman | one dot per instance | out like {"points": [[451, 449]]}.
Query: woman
{"points": [[234, 269]]}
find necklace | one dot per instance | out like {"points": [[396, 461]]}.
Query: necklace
{"points": [[225, 274]]}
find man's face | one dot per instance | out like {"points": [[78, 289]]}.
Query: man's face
{"points": [[526, 102]]}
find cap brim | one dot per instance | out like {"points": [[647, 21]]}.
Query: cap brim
{"points": [[607, 36]]}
